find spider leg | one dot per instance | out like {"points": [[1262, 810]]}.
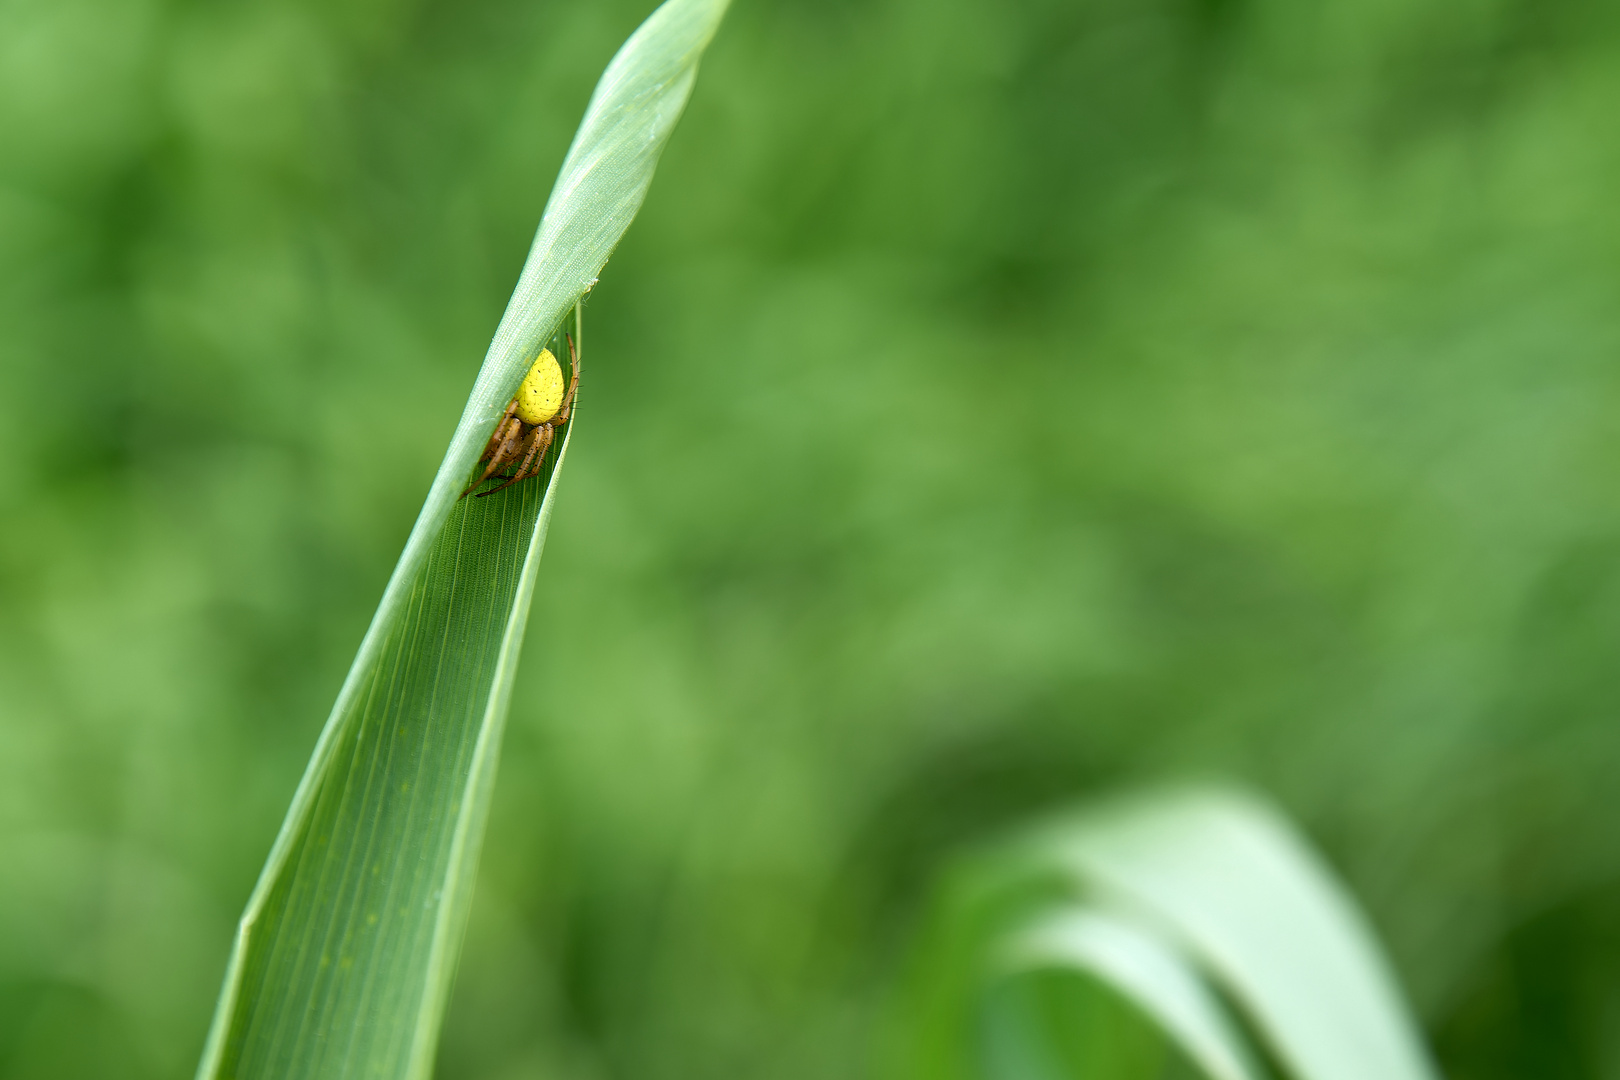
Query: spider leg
{"points": [[567, 408], [502, 450], [539, 440], [496, 438], [547, 433]]}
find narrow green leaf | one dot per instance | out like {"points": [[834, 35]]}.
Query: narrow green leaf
{"points": [[344, 955], [1234, 889], [1200, 908], [1142, 968]]}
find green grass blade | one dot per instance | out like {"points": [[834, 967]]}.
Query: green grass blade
{"points": [[1146, 971], [1198, 908], [1240, 894], [344, 955]]}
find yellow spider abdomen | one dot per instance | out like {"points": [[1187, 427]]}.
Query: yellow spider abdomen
{"points": [[541, 394]]}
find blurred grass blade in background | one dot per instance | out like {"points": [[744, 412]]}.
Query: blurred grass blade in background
{"points": [[1147, 971], [1238, 892], [1190, 924], [345, 953]]}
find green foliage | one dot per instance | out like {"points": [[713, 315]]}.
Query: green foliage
{"points": [[345, 954], [1172, 903], [346, 950], [994, 404]]}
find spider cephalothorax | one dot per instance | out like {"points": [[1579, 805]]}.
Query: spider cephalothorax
{"points": [[530, 422]]}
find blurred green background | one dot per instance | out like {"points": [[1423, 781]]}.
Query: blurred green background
{"points": [[998, 402]]}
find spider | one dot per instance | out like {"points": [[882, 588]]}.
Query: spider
{"points": [[530, 422]]}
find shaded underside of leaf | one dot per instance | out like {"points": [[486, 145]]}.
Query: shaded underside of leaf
{"points": [[345, 954], [370, 863]]}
